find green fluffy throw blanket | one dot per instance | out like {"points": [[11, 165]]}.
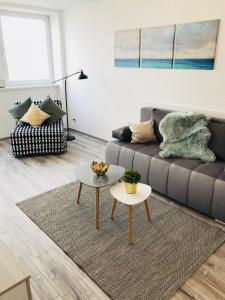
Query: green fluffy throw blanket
{"points": [[185, 134]]}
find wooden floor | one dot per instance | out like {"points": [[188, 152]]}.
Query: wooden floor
{"points": [[54, 275]]}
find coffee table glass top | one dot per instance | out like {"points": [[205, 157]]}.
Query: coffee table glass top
{"points": [[86, 176]]}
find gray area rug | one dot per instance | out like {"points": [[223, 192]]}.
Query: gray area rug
{"points": [[165, 253]]}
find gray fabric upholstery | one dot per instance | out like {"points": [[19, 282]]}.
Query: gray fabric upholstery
{"points": [[217, 142], [193, 183], [146, 114], [158, 115]]}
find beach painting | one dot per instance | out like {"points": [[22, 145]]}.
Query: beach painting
{"points": [[157, 45], [127, 49], [195, 45]]}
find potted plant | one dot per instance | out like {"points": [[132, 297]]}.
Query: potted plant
{"points": [[131, 178]]}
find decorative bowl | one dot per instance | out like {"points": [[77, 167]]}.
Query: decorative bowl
{"points": [[99, 168]]}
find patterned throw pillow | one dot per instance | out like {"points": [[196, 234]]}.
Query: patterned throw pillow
{"points": [[34, 116], [142, 132]]}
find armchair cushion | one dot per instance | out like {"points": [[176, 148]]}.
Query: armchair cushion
{"points": [[18, 111], [34, 116], [52, 109]]}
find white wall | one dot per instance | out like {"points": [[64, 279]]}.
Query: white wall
{"points": [[9, 96], [111, 97]]}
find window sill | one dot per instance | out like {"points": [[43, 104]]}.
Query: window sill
{"points": [[14, 88]]}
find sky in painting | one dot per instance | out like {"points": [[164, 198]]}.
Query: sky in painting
{"points": [[157, 42], [127, 43], [196, 40]]}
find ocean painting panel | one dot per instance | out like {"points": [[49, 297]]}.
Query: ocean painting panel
{"points": [[157, 47], [127, 49], [195, 45]]}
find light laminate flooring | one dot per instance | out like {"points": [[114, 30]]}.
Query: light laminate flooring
{"points": [[53, 274]]}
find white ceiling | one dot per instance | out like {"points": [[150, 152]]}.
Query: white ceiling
{"points": [[54, 4]]}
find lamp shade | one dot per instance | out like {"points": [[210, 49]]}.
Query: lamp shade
{"points": [[82, 75]]}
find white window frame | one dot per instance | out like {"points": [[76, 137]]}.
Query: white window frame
{"points": [[3, 63]]}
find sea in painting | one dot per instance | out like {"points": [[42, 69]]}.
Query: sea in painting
{"points": [[157, 47], [157, 63], [127, 44], [127, 62], [199, 64], [195, 45]]}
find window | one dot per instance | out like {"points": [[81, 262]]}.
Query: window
{"points": [[25, 49]]}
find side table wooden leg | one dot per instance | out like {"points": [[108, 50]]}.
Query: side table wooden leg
{"points": [[129, 224], [79, 192], [28, 289], [147, 210], [97, 208], [113, 208]]}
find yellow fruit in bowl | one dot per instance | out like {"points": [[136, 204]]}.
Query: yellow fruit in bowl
{"points": [[99, 168]]}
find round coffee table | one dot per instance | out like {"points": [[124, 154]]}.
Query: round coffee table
{"points": [[86, 176], [119, 194]]}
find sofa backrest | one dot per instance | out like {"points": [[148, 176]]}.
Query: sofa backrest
{"points": [[216, 126], [148, 113]]}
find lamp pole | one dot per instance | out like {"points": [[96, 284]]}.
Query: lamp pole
{"points": [[81, 76]]}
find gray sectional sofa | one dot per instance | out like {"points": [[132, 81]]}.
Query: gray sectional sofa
{"points": [[193, 183]]}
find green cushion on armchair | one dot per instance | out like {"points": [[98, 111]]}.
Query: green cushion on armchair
{"points": [[19, 111], [52, 109]]}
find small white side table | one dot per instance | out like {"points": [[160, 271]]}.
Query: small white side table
{"points": [[119, 194]]}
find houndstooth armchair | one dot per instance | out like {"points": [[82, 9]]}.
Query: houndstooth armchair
{"points": [[46, 139]]}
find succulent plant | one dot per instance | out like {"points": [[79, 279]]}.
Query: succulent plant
{"points": [[131, 176]]}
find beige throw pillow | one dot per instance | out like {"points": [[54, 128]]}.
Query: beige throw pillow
{"points": [[34, 116], [142, 132]]}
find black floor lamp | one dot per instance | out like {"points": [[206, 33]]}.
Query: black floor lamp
{"points": [[80, 77]]}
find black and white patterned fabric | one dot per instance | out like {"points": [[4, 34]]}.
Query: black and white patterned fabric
{"points": [[46, 139]]}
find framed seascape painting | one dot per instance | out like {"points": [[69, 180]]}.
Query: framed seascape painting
{"points": [[195, 45], [127, 49], [157, 46]]}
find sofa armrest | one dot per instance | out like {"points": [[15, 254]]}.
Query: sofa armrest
{"points": [[123, 134]]}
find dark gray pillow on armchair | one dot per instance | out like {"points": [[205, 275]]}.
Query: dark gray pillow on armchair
{"points": [[18, 111], [122, 134], [51, 108]]}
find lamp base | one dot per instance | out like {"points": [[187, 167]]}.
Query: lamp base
{"points": [[70, 138]]}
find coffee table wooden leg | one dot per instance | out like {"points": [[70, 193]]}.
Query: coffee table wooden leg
{"points": [[97, 208], [129, 224], [147, 210], [113, 208], [79, 192]]}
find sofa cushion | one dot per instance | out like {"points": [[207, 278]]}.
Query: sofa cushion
{"points": [[122, 134], [189, 164], [217, 141], [158, 115], [150, 149], [142, 132]]}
